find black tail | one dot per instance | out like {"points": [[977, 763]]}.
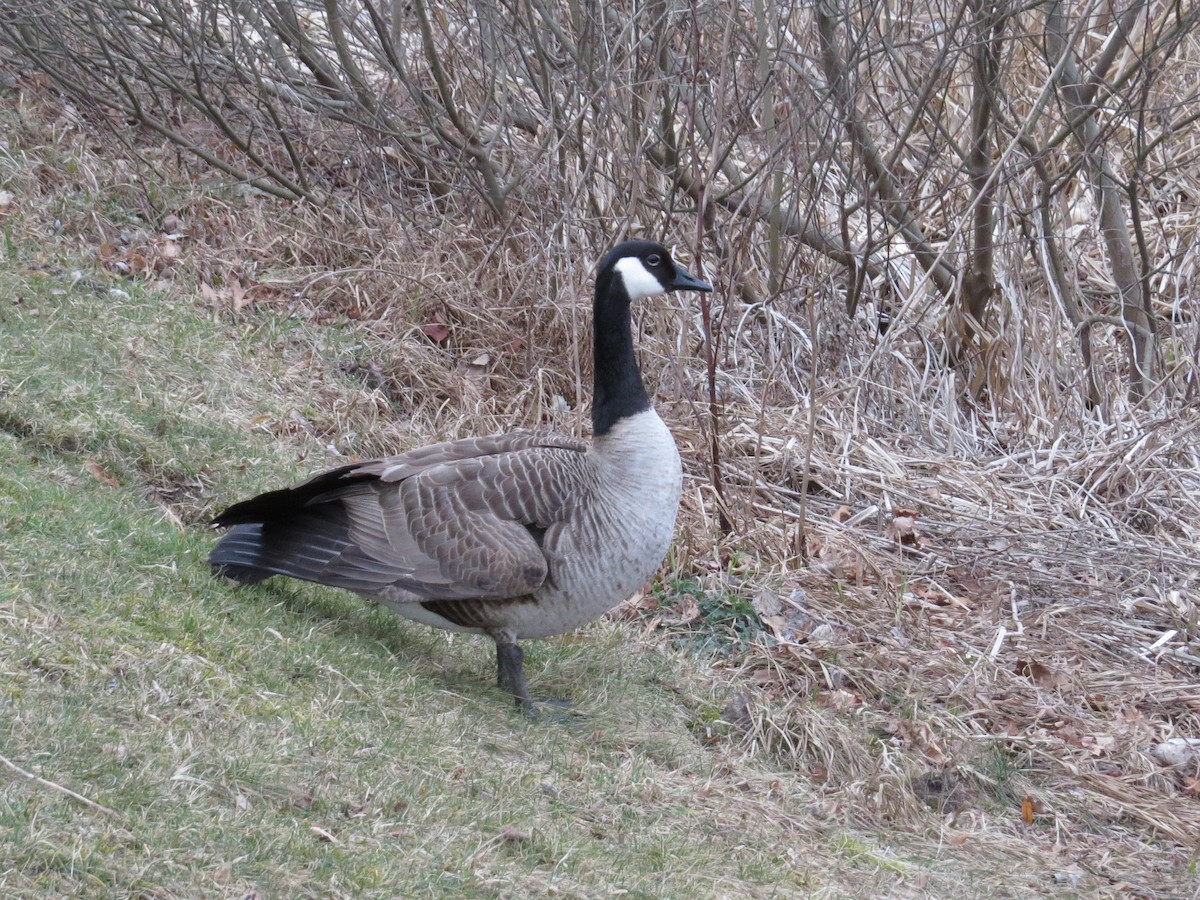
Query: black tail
{"points": [[301, 546], [302, 532], [274, 506]]}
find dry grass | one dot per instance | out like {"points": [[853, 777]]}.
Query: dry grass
{"points": [[915, 704]]}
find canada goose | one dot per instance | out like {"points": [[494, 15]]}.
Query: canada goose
{"points": [[521, 535]]}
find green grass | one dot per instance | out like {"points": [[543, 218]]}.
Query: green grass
{"points": [[288, 739]]}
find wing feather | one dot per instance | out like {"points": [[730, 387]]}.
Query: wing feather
{"points": [[460, 520]]}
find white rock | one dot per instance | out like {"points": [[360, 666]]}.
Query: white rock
{"points": [[1177, 751]]}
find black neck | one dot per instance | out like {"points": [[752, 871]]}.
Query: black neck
{"points": [[618, 391]]}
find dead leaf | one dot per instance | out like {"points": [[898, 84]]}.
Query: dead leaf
{"points": [[903, 528], [1098, 744], [737, 712], [1177, 751], [767, 603], [639, 605], [1037, 672], [436, 329], [137, 263], [687, 610], [100, 473], [475, 371], [237, 294], [842, 514], [302, 800], [839, 700], [169, 251], [1028, 808], [777, 625], [109, 255]]}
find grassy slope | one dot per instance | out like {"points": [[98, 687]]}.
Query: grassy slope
{"points": [[293, 740]]}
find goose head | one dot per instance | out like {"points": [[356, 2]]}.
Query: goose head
{"points": [[632, 270], [645, 268]]}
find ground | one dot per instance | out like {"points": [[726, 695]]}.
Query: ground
{"points": [[860, 723]]}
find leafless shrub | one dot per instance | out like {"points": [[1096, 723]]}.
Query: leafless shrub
{"points": [[945, 168], [992, 191]]}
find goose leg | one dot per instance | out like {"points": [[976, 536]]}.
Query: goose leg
{"points": [[510, 673]]}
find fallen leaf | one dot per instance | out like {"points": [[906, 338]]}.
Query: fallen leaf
{"points": [[1098, 744], [436, 329], [767, 603], [302, 800], [686, 610], [842, 514], [903, 528], [737, 712], [1037, 672], [100, 473], [639, 605], [137, 263], [108, 253], [1027, 810], [777, 625], [237, 294]]}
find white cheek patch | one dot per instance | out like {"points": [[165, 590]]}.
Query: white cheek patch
{"points": [[637, 278]]}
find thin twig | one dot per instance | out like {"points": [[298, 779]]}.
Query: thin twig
{"points": [[58, 787]]}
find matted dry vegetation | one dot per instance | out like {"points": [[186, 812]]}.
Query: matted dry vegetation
{"points": [[979, 596]]}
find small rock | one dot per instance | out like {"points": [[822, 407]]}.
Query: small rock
{"points": [[1177, 751], [737, 712], [825, 633]]}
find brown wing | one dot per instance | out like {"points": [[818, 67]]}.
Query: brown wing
{"points": [[460, 520]]}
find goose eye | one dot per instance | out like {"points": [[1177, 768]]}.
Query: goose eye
{"points": [[654, 259]]}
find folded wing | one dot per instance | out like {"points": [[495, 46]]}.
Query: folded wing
{"points": [[471, 519]]}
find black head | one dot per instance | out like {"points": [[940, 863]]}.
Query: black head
{"points": [[646, 268]]}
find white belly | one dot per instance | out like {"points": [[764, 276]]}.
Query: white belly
{"points": [[625, 536]]}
